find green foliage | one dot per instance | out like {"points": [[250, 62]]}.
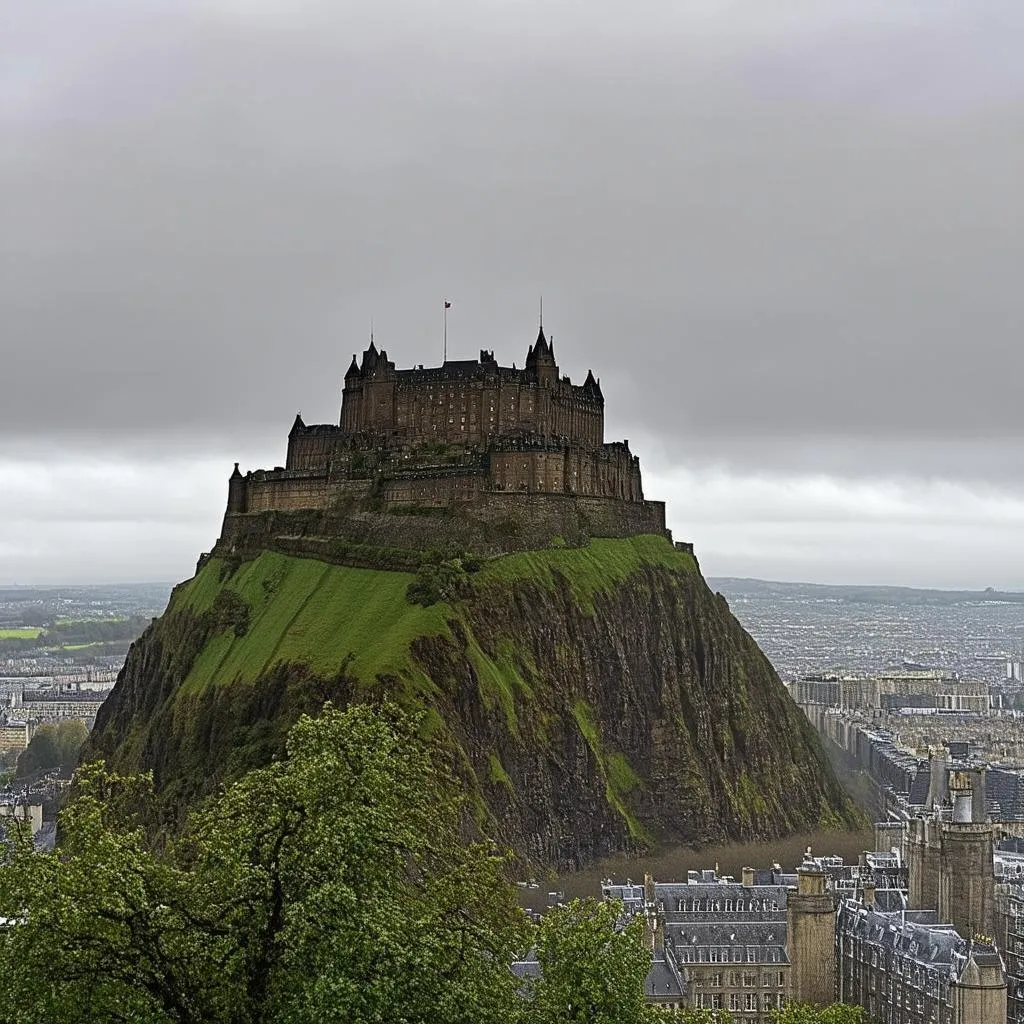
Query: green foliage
{"points": [[500, 680], [497, 774], [619, 777], [85, 632], [592, 969], [53, 746], [591, 570], [332, 885], [688, 1016], [438, 580], [837, 1013], [305, 611]]}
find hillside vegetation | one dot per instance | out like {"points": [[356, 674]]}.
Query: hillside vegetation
{"points": [[593, 699]]}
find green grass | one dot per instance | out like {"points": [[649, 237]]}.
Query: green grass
{"points": [[619, 777], [584, 715], [590, 570], [20, 633], [307, 611], [497, 774], [304, 610], [499, 681]]}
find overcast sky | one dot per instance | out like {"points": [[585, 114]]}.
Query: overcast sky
{"points": [[788, 237]]}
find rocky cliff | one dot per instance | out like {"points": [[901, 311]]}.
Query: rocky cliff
{"points": [[594, 699]]}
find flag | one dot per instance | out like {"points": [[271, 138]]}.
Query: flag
{"points": [[447, 304]]}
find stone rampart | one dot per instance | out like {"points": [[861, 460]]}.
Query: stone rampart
{"points": [[493, 524]]}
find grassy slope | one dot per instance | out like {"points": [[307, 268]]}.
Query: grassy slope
{"points": [[307, 611]]}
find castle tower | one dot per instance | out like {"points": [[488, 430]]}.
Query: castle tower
{"points": [[350, 398], [979, 996], [966, 879], [811, 924], [237, 492], [540, 362]]}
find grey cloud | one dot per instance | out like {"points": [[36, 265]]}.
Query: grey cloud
{"points": [[787, 237]]}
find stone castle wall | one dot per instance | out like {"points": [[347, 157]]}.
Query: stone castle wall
{"points": [[468, 403], [495, 524]]}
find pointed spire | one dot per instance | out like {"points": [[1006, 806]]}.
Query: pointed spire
{"points": [[370, 357], [237, 475], [298, 426], [353, 370]]}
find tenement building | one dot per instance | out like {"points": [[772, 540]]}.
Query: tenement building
{"points": [[909, 968], [725, 940], [853, 933]]}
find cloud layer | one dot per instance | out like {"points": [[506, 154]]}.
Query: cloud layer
{"points": [[786, 236]]}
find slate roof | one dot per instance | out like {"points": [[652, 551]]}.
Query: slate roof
{"points": [[919, 936], [662, 983]]}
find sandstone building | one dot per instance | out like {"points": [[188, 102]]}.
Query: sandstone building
{"points": [[832, 931]]}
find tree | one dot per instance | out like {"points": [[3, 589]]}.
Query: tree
{"points": [[689, 1016], [332, 885], [592, 966], [71, 735], [837, 1013], [42, 752], [53, 745]]}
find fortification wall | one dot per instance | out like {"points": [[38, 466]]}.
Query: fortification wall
{"points": [[433, 490], [492, 525], [266, 492]]}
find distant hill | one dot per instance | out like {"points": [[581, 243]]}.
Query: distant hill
{"points": [[733, 586]]}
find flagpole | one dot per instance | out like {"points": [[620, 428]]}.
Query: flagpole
{"points": [[444, 332]]}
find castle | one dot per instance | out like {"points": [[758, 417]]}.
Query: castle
{"points": [[469, 436]]}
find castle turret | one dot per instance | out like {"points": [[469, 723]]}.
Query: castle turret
{"points": [[540, 361], [369, 363], [967, 882], [237, 492], [350, 396]]}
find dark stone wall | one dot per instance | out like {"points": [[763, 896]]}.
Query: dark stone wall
{"points": [[493, 524], [460, 408]]}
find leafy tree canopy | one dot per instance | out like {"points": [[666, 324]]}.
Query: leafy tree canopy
{"points": [[332, 886], [836, 1014], [54, 745], [592, 970]]}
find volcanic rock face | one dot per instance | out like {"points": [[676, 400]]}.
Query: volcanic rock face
{"points": [[593, 699]]}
